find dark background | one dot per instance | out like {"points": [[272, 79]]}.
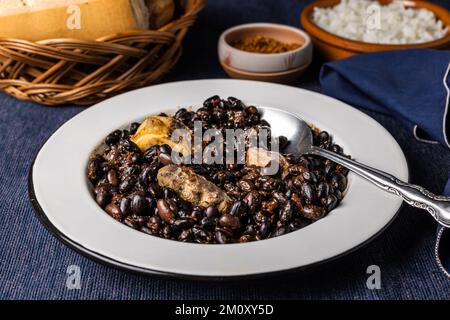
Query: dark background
{"points": [[33, 263]]}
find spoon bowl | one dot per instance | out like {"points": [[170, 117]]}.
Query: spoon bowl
{"points": [[300, 139]]}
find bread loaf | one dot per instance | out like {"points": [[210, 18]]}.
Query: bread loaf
{"points": [[80, 19], [161, 12]]}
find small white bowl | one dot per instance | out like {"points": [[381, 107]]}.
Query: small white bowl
{"points": [[265, 62]]}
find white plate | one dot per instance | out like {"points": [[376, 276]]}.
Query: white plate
{"points": [[59, 188]]}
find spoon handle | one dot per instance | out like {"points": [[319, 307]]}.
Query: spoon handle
{"points": [[416, 196]]}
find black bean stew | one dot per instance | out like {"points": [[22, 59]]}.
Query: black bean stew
{"points": [[125, 185]]}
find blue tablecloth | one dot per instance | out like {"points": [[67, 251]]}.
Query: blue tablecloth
{"points": [[33, 263]]}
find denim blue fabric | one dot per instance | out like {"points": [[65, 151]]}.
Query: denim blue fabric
{"points": [[411, 85], [33, 263]]}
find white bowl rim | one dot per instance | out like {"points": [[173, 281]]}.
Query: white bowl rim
{"points": [[379, 219], [304, 46]]}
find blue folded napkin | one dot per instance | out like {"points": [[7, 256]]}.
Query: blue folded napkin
{"points": [[410, 85]]}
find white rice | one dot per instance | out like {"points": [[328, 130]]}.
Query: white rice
{"points": [[368, 21]]}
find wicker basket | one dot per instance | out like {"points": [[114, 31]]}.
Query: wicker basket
{"points": [[69, 71]]}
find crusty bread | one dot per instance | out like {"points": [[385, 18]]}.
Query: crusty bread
{"points": [[161, 12], [47, 19]]}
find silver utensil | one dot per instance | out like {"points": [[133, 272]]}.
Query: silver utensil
{"points": [[300, 136]]}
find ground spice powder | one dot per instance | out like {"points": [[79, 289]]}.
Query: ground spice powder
{"points": [[262, 44]]}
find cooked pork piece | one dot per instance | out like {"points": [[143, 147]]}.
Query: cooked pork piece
{"points": [[192, 187], [262, 158]]}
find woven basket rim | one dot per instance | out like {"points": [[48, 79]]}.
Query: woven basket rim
{"points": [[77, 71]]}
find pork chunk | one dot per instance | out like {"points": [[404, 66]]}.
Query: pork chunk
{"points": [[193, 188]]}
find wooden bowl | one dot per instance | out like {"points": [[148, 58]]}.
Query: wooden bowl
{"points": [[333, 47]]}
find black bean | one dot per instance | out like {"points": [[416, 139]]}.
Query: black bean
{"points": [[253, 200], [127, 184], [339, 181], [338, 194], [246, 238], [282, 142], [131, 170], [114, 211], [154, 223], [155, 190], [165, 158], [235, 104], [131, 222], [185, 235], [151, 204], [165, 149], [167, 231], [250, 230], [94, 171], [125, 134], [141, 220], [201, 235], [164, 211], [212, 212], [147, 230], [298, 223], [264, 230], [129, 145], [270, 206], [138, 204], [102, 198], [173, 206], [145, 176], [312, 212], [336, 149], [113, 138], [279, 231], [323, 190], [239, 209], [230, 222], [208, 223], [196, 214], [222, 236], [245, 185], [125, 206], [308, 192], [134, 127], [280, 197], [112, 177], [251, 110], [181, 114], [286, 212], [212, 102], [331, 202], [182, 224], [323, 136], [150, 153], [309, 176], [167, 193]]}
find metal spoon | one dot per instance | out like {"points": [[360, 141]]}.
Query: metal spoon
{"points": [[300, 136]]}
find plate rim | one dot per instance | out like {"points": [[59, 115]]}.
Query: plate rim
{"points": [[104, 259]]}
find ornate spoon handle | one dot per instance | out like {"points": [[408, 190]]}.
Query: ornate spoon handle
{"points": [[416, 196]]}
